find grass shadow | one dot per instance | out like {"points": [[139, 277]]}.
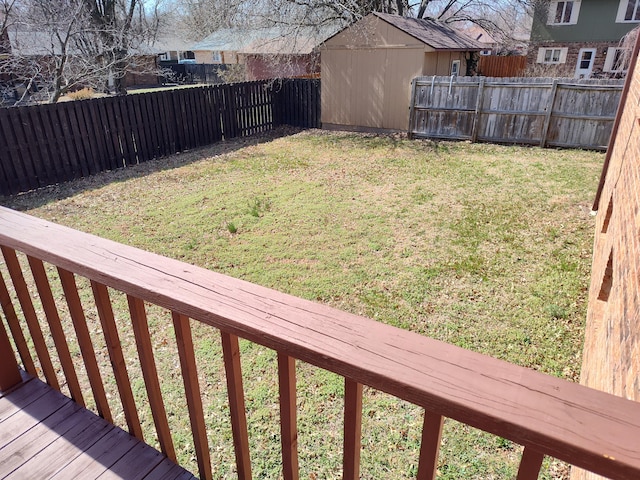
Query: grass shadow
{"points": [[42, 196]]}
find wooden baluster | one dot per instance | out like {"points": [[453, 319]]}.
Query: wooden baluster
{"points": [[9, 372], [231, 353], [430, 446], [105, 312], [352, 429], [16, 331], [15, 271], [84, 341], [530, 464], [57, 333], [288, 424], [186, 353], [150, 374]]}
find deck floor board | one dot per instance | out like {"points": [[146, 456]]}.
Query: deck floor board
{"points": [[45, 435]]}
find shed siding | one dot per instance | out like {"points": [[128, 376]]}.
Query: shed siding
{"points": [[369, 88], [439, 63], [371, 32]]}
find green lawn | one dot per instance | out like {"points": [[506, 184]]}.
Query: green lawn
{"points": [[487, 247]]}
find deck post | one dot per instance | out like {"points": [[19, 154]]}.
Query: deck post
{"points": [[9, 372]]}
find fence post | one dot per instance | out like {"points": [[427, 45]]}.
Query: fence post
{"points": [[9, 372], [547, 118], [412, 108], [476, 117]]}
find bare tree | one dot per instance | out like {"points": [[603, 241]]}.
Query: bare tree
{"points": [[62, 45]]}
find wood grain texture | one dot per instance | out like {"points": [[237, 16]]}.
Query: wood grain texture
{"points": [[112, 339], [15, 329], [76, 311], [15, 271], [150, 374], [55, 327], [430, 446], [549, 414], [288, 412], [231, 354], [187, 357], [352, 429]]}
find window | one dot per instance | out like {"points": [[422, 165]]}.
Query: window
{"points": [[628, 11], [552, 55], [164, 56], [455, 68], [485, 53], [616, 60], [564, 12], [217, 57]]}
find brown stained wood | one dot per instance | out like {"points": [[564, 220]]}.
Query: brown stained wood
{"points": [[16, 330], [186, 353], [430, 446], [112, 339], [15, 271], [483, 392], [9, 374], [55, 326], [231, 354], [79, 320], [530, 464], [288, 423], [150, 374], [352, 429]]}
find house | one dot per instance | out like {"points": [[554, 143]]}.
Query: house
{"points": [[264, 52], [368, 67], [611, 358], [581, 38]]}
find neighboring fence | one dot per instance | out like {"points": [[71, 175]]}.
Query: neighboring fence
{"points": [[541, 111], [502, 66], [195, 72], [47, 144]]}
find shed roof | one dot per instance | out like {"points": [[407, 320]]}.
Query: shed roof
{"points": [[435, 34]]}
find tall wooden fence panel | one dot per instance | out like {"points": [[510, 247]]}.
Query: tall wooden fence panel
{"points": [[502, 66], [541, 111], [47, 144]]}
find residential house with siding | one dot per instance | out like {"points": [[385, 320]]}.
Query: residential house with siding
{"points": [[581, 38]]}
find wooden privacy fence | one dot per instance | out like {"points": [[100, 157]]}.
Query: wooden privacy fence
{"points": [[502, 66], [541, 111], [46, 144]]}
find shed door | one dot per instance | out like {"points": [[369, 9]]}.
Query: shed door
{"points": [[586, 57]]}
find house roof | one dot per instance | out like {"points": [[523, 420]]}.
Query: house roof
{"points": [[435, 34], [272, 40]]}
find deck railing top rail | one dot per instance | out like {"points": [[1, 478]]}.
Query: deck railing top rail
{"points": [[547, 415]]}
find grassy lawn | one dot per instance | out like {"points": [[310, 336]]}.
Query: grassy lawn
{"points": [[483, 246]]}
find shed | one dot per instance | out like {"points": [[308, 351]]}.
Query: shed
{"points": [[368, 67]]}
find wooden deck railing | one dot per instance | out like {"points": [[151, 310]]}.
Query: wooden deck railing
{"points": [[547, 415]]}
